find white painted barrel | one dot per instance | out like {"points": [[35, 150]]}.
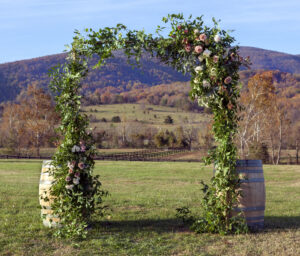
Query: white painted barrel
{"points": [[46, 181]]}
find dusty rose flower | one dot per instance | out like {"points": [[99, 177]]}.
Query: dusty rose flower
{"points": [[77, 174], [217, 38], [68, 178], [227, 80], [70, 187], [186, 31], [70, 171], [81, 165], [179, 27], [198, 69], [82, 148], [202, 37], [188, 48], [198, 49], [215, 59]]}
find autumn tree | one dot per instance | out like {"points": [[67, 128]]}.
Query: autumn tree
{"points": [[32, 119], [263, 117]]}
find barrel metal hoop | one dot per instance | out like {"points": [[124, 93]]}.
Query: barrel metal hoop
{"points": [[251, 163], [250, 209], [252, 180], [256, 218], [250, 171]]}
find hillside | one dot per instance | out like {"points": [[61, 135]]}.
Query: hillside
{"points": [[120, 76]]}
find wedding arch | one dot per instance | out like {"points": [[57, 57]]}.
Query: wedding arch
{"points": [[191, 47]]}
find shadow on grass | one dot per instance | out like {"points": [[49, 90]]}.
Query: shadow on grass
{"points": [[146, 225], [281, 222], [176, 226]]}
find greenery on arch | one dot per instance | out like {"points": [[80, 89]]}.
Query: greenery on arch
{"points": [[206, 53]]}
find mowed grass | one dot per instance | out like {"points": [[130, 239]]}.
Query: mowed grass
{"points": [[149, 115], [144, 196]]}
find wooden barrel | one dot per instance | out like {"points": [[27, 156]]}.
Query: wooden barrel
{"points": [[252, 202], [46, 181]]}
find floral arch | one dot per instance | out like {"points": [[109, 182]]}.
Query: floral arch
{"points": [[206, 53]]}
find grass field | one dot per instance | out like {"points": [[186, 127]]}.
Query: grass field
{"points": [[142, 221], [150, 115]]}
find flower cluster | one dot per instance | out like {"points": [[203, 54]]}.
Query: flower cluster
{"points": [[212, 60]]}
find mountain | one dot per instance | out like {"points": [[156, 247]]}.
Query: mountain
{"points": [[120, 76]]}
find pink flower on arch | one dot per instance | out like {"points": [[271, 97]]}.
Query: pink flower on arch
{"points": [[188, 48], [81, 165], [202, 37], [198, 49], [228, 80], [215, 59]]}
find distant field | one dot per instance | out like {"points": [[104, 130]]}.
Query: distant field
{"points": [[144, 196], [150, 115]]}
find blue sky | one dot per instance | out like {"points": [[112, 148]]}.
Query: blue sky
{"points": [[33, 28]]}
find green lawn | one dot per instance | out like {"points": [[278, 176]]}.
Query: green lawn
{"points": [[144, 196]]}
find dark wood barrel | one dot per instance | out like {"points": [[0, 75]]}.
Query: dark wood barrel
{"points": [[46, 181], [253, 200]]}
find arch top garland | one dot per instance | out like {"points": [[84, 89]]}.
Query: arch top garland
{"points": [[206, 53]]}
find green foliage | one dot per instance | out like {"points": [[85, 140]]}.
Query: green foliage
{"points": [[168, 120], [116, 119], [206, 53]]}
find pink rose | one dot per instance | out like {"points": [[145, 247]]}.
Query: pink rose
{"points": [[68, 178], [77, 174], [215, 59], [198, 49], [202, 37], [179, 27], [227, 80], [188, 48], [83, 148], [81, 165], [186, 31], [70, 171]]}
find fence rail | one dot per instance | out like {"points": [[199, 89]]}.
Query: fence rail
{"points": [[154, 155]]}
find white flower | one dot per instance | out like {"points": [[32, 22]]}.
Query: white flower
{"points": [[196, 31], [71, 165], [198, 69], [206, 84], [76, 149], [69, 187], [76, 181], [213, 72], [207, 53], [201, 58], [217, 38], [196, 81]]}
